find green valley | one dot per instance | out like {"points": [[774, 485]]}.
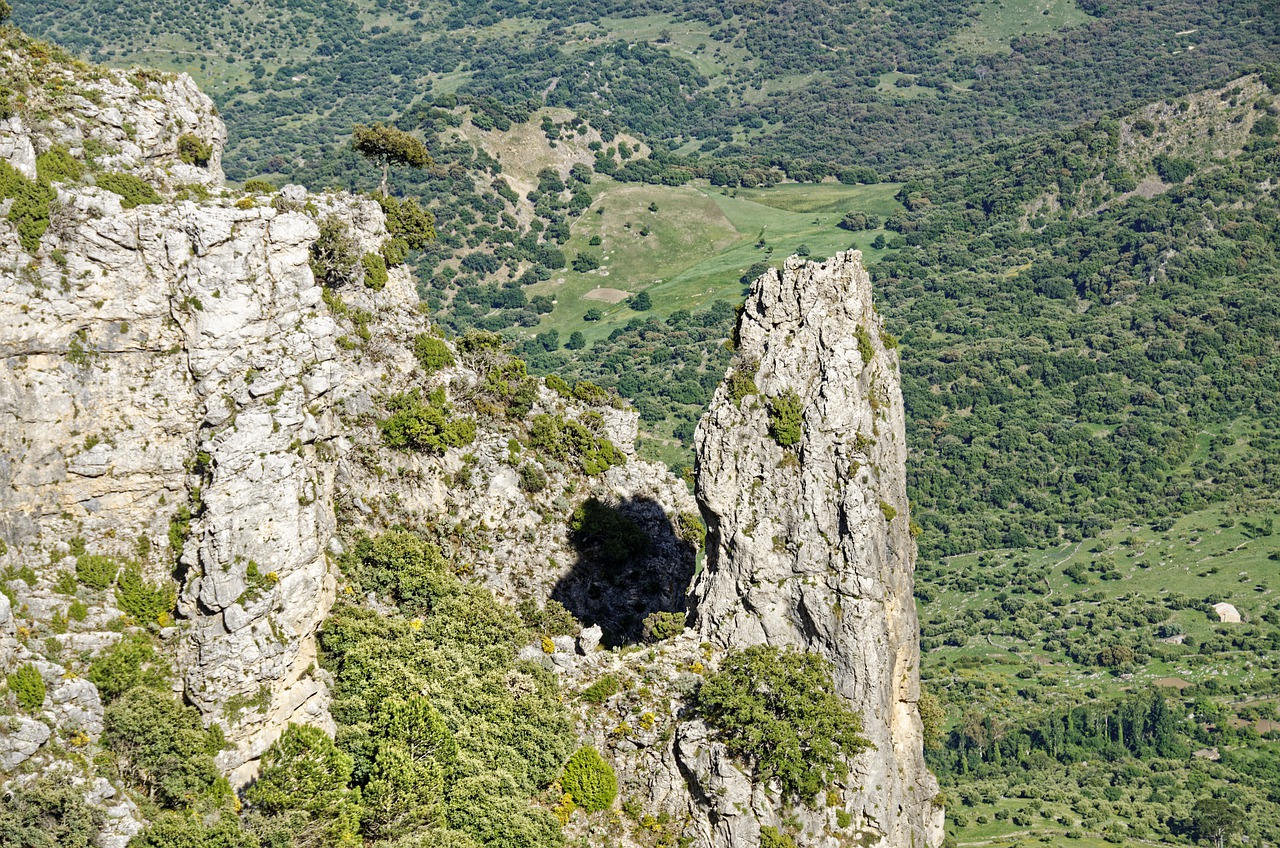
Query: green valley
{"points": [[1069, 212]]}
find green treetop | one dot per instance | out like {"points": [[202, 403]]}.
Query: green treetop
{"points": [[387, 145]]}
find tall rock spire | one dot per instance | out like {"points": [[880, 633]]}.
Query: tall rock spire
{"points": [[802, 481]]}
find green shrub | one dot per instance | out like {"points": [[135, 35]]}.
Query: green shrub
{"points": [[585, 262], [27, 686], [133, 191], [771, 838], [933, 720], [740, 385], [690, 528], [865, 348], [335, 256], [589, 393], [66, 583], [303, 772], [30, 209], [259, 186], [1121, 179], [606, 533], [478, 341], [779, 710], [187, 830], [590, 780], [663, 625], [602, 690], [1172, 169], [193, 151], [394, 251], [786, 418], [485, 807], [147, 603], [408, 221], [77, 611], [179, 530], [425, 425], [567, 439], [401, 566], [129, 663], [375, 271], [532, 478], [890, 512], [50, 812], [553, 619], [162, 748], [432, 353], [558, 385], [97, 571], [56, 165]]}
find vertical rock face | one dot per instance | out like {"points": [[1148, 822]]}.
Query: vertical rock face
{"points": [[168, 375], [190, 365], [809, 545]]}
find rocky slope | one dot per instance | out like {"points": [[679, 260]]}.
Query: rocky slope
{"points": [[175, 389], [181, 400]]}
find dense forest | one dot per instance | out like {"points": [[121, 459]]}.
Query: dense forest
{"points": [[729, 79]]}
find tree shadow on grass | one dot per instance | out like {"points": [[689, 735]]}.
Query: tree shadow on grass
{"points": [[631, 563]]}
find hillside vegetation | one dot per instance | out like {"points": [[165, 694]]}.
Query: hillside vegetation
{"points": [[803, 80], [1083, 294]]}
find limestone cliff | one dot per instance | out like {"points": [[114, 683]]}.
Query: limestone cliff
{"points": [[808, 544], [179, 392], [801, 480]]}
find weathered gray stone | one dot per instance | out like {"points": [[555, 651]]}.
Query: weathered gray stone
{"points": [[7, 625], [808, 546], [16, 147], [75, 706], [20, 738], [589, 639]]}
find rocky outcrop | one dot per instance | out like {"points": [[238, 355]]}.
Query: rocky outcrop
{"points": [[187, 366], [120, 121], [808, 531], [177, 390]]}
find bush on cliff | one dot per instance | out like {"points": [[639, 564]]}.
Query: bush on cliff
{"points": [[449, 735], [778, 710], [425, 424], [590, 780]]}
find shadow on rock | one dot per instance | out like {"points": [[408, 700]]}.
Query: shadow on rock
{"points": [[631, 564]]}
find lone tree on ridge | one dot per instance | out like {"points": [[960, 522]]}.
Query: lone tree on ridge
{"points": [[386, 145]]}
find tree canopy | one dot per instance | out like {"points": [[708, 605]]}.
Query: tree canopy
{"points": [[779, 710], [387, 145]]}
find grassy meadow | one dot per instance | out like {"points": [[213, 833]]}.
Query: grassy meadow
{"points": [[694, 247], [998, 21]]}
